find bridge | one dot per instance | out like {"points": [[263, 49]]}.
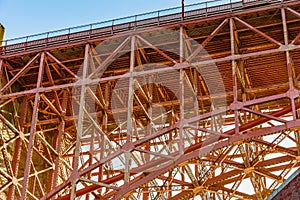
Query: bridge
{"points": [[202, 104]]}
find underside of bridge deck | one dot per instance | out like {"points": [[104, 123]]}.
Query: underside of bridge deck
{"points": [[203, 107]]}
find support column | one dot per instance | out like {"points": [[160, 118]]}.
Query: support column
{"points": [[17, 150], [181, 93], [290, 70], [61, 128], [234, 77], [34, 120], [130, 91], [75, 176], [130, 110]]}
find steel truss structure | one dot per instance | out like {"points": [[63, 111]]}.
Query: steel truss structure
{"points": [[201, 107]]}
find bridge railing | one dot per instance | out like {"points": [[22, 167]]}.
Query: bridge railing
{"points": [[110, 27]]}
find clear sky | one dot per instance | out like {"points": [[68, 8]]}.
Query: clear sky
{"points": [[26, 17]]}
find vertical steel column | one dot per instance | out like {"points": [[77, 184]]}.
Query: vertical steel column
{"points": [[181, 92], [130, 109], [146, 191], [15, 166], [74, 175], [104, 128], [234, 78], [61, 128], [17, 150], [130, 91], [34, 120], [16, 156], [289, 63], [196, 103]]}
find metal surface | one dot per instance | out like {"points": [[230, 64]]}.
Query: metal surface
{"points": [[204, 107]]}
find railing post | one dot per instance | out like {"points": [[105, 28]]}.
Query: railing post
{"points": [[158, 20], [206, 13], [91, 28], [69, 32], [135, 17], [47, 38], [25, 45], [112, 26], [4, 50]]}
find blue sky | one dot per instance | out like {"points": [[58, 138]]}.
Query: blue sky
{"points": [[25, 17]]}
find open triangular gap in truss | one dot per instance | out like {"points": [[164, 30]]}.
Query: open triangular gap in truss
{"points": [[23, 71], [143, 43], [111, 49], [202, 46], [7, 71], [296, 40], [258, 33], [58, 69]]}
